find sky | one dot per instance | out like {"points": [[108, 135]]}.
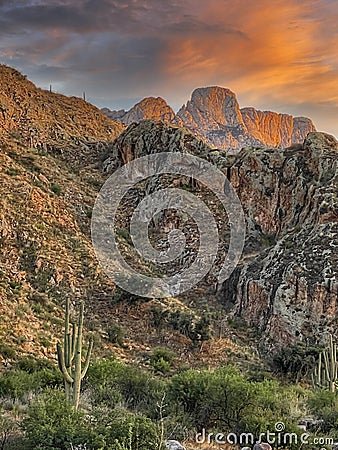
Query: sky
{"points": [[279, 55]]}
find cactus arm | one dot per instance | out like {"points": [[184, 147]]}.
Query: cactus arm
{"points": [[77, 359], [66, 335], [61, 359], [74, 330], [87, 360]]}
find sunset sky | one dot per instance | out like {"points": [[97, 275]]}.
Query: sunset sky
{"points": [[280, 55]]}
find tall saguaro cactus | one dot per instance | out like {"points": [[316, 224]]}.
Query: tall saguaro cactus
{"points": [[70, 356], [326, 374]]}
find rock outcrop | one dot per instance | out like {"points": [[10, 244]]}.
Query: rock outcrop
{"points": [[149, 108], [289, 290], [287, 282], [214, 115], [149, 136]]}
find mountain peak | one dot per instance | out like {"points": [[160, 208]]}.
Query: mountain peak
{"points": [[155, 108]]}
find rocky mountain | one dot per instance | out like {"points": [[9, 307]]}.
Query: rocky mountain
{"points": [[149, 108], [213, 114], [278, 130], [56, 152]]}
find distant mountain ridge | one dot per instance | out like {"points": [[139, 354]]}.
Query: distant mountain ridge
{"points": [[214, 115]]}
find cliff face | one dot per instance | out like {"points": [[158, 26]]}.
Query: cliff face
{"points": [[289, 290], [148, 137], [278, 130], [214, 115], [286, 284]]}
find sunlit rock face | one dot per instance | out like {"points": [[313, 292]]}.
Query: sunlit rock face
{"points": [[214, 115], [279, 130]]}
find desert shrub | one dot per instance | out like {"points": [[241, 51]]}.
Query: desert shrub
{"points": [[116, 334], [56, 189], [8, 429], [324, 406], [198, 330], [161, 359], [7, 352], [114, 382], [125, 431], [31, 365], [17, 382], [297, 361], [52, 423], [225, 399]]}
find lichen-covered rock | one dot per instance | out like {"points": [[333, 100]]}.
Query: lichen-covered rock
{"points": [[290, 290], [149, 136]]}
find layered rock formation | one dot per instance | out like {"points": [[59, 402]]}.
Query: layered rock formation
{"points": [[290, 290], [213, 114], [149, 108], [279, 130]]}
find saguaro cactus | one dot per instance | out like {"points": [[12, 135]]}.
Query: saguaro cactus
{"points": [[326, 374], [70, 356]]}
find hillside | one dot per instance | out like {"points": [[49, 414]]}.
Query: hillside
{"points": [[51, 122]]}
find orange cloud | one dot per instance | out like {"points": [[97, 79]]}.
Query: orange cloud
{"points": [[280, 49]]}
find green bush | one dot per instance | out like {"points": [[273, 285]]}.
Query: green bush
{"points": [[161, 359], [17, 382], [112, 381], [324, 405], [56, 189], [52, 423], [7, 352], [116, 334], [227, 400], [297, 361], [127, 431]]}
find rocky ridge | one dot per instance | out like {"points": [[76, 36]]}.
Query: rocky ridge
{"points": [[213, 114]]}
